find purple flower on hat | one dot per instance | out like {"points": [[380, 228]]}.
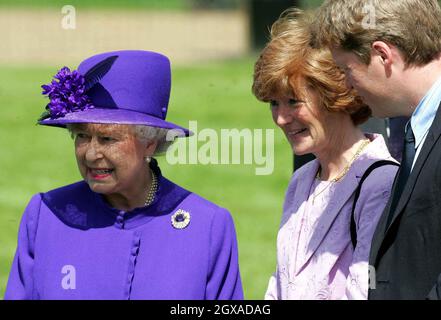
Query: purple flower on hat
{"points": [[66, 93]]}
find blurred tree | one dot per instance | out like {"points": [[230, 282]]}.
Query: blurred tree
{"points": [[310, 4], [262, 14], [215, 4]]}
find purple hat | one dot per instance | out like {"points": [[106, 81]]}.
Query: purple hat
{"points": [[120, 87]]}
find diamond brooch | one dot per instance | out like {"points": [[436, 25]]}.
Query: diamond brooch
{"points": [[180, 219]]}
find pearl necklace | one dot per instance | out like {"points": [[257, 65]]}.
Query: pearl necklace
{"points": [[343, 172], [152, 191]]}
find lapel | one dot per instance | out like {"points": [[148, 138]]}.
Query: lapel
{"points": [[298, 193], [429, 143], [343, 191], [381, 231], [296, 199]]}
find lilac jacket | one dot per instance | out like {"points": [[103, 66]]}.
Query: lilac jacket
{"points": [[325, 265], [72, 245]]}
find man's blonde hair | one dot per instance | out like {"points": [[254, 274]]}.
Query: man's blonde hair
{"points": [[413, 26]]}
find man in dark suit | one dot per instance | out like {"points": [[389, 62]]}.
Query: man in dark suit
{"points": [[391, 53]]}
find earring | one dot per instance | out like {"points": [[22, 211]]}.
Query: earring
{"points": [[148, 159]]}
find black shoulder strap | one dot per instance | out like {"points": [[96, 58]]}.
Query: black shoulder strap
{"points": [[374, 166]]}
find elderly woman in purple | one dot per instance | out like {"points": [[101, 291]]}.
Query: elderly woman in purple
{"points": [[125, 231]]}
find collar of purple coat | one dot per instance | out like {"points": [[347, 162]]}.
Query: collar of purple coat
{"points": [[376, 150], [78, 206]]}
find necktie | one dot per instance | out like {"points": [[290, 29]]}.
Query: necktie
{"points": [[406, 166]]}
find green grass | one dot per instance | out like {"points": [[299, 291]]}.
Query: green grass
{"points": [[101, 4], [35, 158], [131, 4], [310, 3]]}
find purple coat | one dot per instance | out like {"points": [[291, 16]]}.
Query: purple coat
{"points": [[72, 245]]}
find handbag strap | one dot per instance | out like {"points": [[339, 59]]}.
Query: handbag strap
{"points": [[374, 166]]}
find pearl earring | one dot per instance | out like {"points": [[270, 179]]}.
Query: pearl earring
{"points": [[148, 159]]}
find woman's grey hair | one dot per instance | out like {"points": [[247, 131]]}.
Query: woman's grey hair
{"points": [[164, 137]]}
